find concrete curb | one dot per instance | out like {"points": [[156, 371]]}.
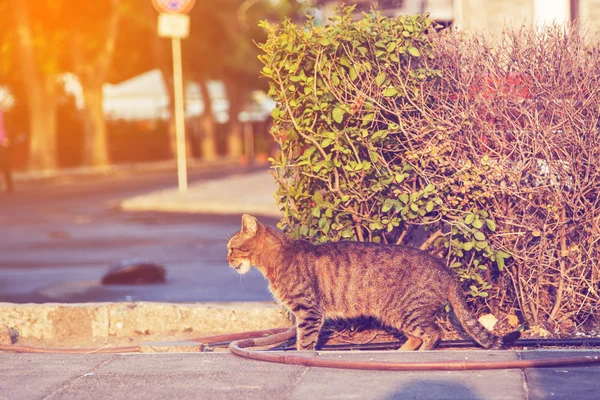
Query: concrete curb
{"points": [[249, 193], [81, 324]]}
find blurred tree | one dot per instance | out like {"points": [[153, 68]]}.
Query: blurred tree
{"points": [[39, 43], [203, 55], [221, 46], [93, 28], [57, 36], [160, 48]]}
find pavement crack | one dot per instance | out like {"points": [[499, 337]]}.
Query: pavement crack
{"points": [[298, 379], [524, 378], [77, 378]]}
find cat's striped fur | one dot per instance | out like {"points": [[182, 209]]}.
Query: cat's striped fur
{"points": [[401, 286]]}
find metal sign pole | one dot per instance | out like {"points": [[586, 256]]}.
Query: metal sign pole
{"points": [[174, 23], [179, 115]]}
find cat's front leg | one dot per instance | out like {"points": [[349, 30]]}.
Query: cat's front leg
{"points": [[308, 326]]}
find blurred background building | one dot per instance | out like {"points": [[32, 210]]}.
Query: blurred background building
{"points": [[484, 15]]}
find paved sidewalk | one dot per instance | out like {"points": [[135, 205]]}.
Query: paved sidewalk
{"points": [[224, 376], [74, 173], [248, 193]]}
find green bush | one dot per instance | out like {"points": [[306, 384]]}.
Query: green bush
{"points": [[349, 168], [392, 133]]}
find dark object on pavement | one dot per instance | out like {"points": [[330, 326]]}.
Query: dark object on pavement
{"points": [[134, 272]]}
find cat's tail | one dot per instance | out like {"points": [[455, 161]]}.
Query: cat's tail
{"points": [[472, 326]]}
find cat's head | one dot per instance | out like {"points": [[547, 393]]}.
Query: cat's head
{"points": [[241, 248]]}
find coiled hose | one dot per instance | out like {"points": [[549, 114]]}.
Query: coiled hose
{"points": [[240, 348]]}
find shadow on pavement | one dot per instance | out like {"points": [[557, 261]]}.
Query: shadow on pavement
{"points": [[434, 389]]}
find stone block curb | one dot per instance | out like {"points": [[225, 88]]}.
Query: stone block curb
{"points": [[80, 324]]}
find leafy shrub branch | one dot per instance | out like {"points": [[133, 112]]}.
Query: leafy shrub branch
{"points": [[480, 150]]}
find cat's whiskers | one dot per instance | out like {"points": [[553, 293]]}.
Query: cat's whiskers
{"points": [[225, 236]]}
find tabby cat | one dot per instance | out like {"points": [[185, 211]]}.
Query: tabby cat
{"points": [[402, 287]]}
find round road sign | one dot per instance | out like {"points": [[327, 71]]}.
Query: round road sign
{"points": [[173, 6]]}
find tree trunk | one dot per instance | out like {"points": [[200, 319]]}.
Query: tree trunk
{"points": [[40, 89], [235, 140], [162, 58], [167, 74], [208, 125], [92, 74], [95, 143], [42, 122]]}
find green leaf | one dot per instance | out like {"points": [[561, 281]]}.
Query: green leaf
{"points": [[387, 205], [413, 51], [500, 263], [390, 91], [469, 219], [480, 245], [326, 142], [478, 223], [380, 78], [348, 233], [429, 206], [468, 246], [345, 61], [368, 118], [491, 225], [403, 198], [303, 230], [502, 254], [316, 212], [483, 294], [338, 115], [353, 74], [478, 235]]}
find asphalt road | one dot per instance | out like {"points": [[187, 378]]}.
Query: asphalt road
{"points": [[58, 239]]}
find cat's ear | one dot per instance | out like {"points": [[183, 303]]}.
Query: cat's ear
{"points": [[249, 225]]}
